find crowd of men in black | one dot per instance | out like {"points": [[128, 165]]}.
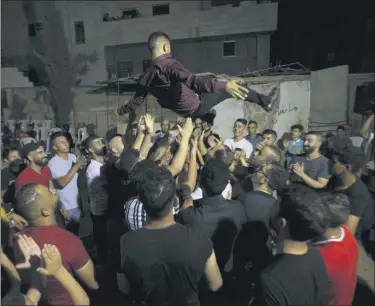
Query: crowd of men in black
{"points": [[181, 217]]}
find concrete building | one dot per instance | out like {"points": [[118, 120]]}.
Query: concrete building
{"points": [[222, 39]]}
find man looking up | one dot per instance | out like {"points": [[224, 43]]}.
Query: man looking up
{"points": [[181, 91], [64, 168], [311, 169], [37, 205]]}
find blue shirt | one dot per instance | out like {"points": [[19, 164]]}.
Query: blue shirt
{"points": [[254, 141]]}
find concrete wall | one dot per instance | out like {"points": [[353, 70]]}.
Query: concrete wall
{"points": [[186, 20], [252, 52]]}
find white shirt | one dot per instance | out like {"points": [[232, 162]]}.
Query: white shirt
{"points": [[243, 144], [96, 185], [198, 193], [60, 167]]}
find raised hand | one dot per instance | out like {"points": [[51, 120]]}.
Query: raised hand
{"points": [[237, 91], [187, 129], [194, 146], [149, 123], [29, 248], [141, 125], [52, 260]]}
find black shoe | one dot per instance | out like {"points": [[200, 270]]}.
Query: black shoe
{"points": [[210, 117], [271, 98], [266, 102]]}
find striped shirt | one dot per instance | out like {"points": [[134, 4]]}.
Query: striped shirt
{"points": [[135, 215]]}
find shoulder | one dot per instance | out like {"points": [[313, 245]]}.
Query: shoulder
{"points": [[72, 157]]}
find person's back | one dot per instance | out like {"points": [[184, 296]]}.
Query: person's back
{"points": [[165, 265], [164, 261], [295, 279]]}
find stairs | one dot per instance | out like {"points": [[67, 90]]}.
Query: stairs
{"points": [[11, 77]]}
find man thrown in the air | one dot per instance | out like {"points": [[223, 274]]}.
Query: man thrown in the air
{"points": [[181, 91]]}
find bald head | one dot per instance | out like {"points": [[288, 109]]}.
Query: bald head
{"points": [[36, 203], [159, 43], [26, 201], [272, 154], [116, 145]]}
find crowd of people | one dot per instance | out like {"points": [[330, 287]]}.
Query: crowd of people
{"points": [[183, 217]]}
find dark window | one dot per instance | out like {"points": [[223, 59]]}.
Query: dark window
{"points": [[162, 9], [129, 14], [146, 65], [234, 3], [125, 69], [79, 29], [34, 28], [229, 48]]}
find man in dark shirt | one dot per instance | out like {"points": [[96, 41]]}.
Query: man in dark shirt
{"points": [[297, 274], [221, 219], [344, 165], [164, 261], [181, 91]]}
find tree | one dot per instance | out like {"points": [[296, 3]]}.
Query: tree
{"points": [[51, 59]]}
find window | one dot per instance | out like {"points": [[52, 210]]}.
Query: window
{"points": [[34, 28], [229, 48], [129, 14], [125, 69], [79, 29], [162, 9]]}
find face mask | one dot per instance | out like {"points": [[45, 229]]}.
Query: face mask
{"points": [[15, 166]]}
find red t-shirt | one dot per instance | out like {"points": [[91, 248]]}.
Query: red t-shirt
{"points": [[341, 258], [73, 253], [28, 175]]}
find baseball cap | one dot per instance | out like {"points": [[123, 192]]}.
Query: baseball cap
{"points": [[31, 146]]}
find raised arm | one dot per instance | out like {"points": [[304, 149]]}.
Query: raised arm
{"points": [[365, 131], [135, 102], [193, 167]]}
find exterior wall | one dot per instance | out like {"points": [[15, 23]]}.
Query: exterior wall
{"points": [[193, 23], [200, 56]]}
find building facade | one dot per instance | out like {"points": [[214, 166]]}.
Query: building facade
{"points": [[231, 38]]}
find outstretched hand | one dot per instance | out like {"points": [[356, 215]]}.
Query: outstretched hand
{"points": [[236, 90], [52, 260], [29, 248]]}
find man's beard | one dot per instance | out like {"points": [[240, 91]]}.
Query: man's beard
{"points": [[102, 152], [308, 150], [42, 162]]}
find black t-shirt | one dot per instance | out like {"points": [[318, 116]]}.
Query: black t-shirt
{"points": [[251, 245], [221, 220], [294, 280], [164, 266], [8, 180], [361, 204]]}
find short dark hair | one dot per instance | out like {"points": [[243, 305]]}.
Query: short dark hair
{"points": [[226, 155], [155, 37], [88, 141], [6, 152], [315, 133], [157, 192], [339, 207], [56, 135], [139, 172], [352, 156], [341, 127], [306, 215], [269, 132], [214, 177], [25, 199], [128, 160], [242, 120], [278, 178], [253, 122], [297, 127]]}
